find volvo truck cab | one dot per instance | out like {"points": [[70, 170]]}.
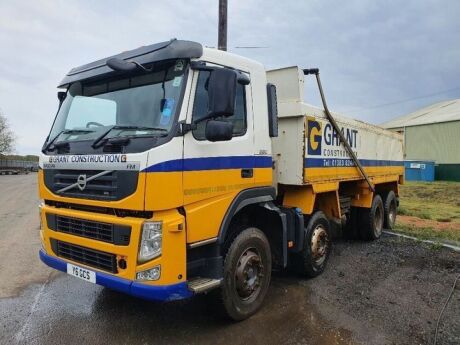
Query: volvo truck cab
{"points": [[148, 151]]}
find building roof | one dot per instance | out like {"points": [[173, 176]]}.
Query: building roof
{"points": [[439, 112]]}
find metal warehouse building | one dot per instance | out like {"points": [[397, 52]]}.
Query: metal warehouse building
{"points": [[433, 134]]}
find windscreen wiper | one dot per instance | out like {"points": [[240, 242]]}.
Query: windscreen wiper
{"points": [[96, 141], [65, 131]]}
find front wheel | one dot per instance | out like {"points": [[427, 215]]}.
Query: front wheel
{"points": [[247, 272]]}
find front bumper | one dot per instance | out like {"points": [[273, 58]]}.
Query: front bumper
{"points": [[155, 293]]}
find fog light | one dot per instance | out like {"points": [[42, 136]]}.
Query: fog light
{"points": [[150, 274]]}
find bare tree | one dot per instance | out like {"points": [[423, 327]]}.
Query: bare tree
{"points": [[7, 137]]}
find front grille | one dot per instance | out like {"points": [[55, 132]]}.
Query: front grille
{"points": [[93, 258], [108, 185], [103, 186], [112, 233], [85, 228]]}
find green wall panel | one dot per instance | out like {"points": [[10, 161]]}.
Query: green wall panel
{"points": [[447, 172], [439, 142]]}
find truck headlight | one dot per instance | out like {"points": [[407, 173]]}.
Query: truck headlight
{"points": [[151, 240]]}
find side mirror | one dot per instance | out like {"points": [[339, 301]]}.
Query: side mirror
{"points": [[272, 111], [218, 130], [221, 92]]}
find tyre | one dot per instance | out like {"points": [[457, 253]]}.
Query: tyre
{"points": [[391, 209], [247, 273], [313, 258], [372, 220]]}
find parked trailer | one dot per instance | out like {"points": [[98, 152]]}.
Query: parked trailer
{"points": [[175, 169], [15, 166]]}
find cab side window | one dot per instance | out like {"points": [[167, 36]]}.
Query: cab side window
{"points": [[200, 108]]}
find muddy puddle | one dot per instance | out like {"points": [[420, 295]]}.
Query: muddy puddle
{"points": [[65, 310]]}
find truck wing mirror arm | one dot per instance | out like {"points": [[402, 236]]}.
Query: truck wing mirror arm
{"points": [[183, 128]]}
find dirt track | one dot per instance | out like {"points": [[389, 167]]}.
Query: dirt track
{"points": [[384, 292]]}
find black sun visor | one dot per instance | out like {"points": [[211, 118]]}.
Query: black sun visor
{"points": [[173, 49]]}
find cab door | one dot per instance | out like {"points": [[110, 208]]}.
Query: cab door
{"points": [[215, 172]]}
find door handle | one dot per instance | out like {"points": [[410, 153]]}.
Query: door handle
{"points": [[247, 173]]}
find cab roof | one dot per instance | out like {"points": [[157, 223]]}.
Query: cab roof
{"points": [[172, 49]]}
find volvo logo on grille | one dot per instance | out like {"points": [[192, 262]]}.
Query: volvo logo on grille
{"points": [[81, 182]]}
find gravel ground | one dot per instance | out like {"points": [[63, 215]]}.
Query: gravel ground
{"points": [[395, 288]]}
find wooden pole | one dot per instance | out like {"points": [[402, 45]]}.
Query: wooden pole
{"points": [[222, 36]]}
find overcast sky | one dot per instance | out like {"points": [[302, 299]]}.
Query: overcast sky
{"points": [[370, 53]]}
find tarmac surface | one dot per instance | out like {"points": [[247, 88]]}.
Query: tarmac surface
{"points": [[385, 292]]}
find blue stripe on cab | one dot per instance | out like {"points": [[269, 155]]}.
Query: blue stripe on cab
{"points": [[346, 162], [263, 162], [212, 163], [218, 163], [168, 166]]}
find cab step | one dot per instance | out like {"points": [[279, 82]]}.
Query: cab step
{"points": [[199, 285]]}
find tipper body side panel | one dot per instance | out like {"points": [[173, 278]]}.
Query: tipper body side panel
{"points": [[308, 149]]}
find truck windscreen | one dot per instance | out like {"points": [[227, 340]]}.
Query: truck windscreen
{"points": [[143, 105]]}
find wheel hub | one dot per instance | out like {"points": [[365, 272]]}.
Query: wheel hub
{"points": [[248, 274], [378, 221], [319, 244], [392, 213]]}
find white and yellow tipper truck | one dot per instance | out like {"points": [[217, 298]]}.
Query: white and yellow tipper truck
{"points": [[174, 169]]}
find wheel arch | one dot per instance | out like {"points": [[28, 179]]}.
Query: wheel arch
{"points": [[384, 188], [244, 199], [255, 207]]}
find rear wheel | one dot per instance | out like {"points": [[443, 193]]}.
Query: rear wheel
{"points": [[391, 209], [372, 220], [313, 259], [247, 272]]}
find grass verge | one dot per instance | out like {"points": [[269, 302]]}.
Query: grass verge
{"points": [[427, 233], [432, 210]]}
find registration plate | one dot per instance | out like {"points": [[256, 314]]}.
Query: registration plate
{"points": [[81, 273]]}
